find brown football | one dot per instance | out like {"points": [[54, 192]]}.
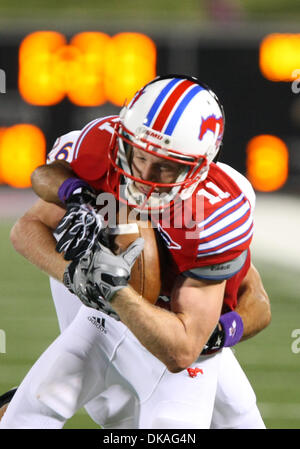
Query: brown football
{"points": [[146, 272], [2, 410]]}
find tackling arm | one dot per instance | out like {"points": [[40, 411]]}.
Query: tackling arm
{"points": [[32, 237], [251, 315], [46, 180], [79, 228]]}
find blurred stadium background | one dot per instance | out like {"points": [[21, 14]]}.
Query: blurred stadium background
{"points": [[248, 52]]}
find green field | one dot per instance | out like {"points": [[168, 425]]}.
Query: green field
{"points": [[27, 317], [139, 10]]}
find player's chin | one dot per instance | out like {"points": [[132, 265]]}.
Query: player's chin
{"points": [[141, 188]]}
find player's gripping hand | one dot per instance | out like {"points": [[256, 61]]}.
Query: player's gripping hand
{"points": [[76, 280], [79, 228], [215, 341], [110, 272], [97, 276]]}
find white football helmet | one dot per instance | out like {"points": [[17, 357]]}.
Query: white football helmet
{"points": [[176, 118]]}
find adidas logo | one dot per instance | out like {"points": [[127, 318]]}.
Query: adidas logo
{"points": [[98, 322]]}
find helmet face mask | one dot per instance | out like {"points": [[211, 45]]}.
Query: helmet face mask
{"points": [[174, 120]]}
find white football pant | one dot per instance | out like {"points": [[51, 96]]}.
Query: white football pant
{"points": [[98, 363]]}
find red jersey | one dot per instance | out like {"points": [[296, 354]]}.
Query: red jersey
{"points": [[207, 235]]}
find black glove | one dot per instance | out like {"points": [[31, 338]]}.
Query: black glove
{"points": [[227, 333], [215, 341], [79, 228]]}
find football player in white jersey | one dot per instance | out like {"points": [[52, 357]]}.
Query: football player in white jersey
{"points": [[163, 142]]}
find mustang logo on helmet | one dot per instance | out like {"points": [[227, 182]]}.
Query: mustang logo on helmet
{"points": [[210, 124]]}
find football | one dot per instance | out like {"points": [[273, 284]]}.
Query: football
{"points": [[2, 410], [146, 272]]}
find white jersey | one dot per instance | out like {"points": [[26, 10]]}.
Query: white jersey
{"points": [[63, 148]]}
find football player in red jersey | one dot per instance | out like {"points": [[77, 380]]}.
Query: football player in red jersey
{"points": [[159, 158]]}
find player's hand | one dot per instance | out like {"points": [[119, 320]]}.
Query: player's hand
{"points": [[76, 279], [79, 228], [215, 341], [227, 333], [97, 276], [110, 272]]}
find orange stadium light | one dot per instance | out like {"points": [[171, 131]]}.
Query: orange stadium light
{"points": [[130, 64], [93, 69], [38, 81], [22, 149], [279, 56], [87, 89], [267, 163]]}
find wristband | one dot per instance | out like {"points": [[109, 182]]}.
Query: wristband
{"points": [[233, 328], [69, 186]]}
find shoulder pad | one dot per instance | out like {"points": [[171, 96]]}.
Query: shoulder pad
{"points": [[243, 183]]}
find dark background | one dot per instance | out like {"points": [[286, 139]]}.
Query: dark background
{"points": [[253, 105]]}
